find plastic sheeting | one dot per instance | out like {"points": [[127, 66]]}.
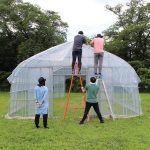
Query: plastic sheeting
{"points": [[54, 64]]}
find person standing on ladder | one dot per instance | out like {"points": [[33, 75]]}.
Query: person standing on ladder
{"points": [[91, 100], [79, 40], [98, 44]]}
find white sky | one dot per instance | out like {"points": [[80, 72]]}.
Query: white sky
{"points": [[90, 16]]}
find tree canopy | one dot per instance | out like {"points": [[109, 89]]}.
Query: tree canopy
{"points": [[26, 30], [129, 37]]}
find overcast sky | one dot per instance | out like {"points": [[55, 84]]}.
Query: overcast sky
{"points": [[90, 16]]}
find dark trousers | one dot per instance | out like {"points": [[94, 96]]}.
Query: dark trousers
{"points": [[87, 108], [37, 117], [76, 54]]}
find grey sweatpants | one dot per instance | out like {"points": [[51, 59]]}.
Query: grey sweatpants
{"points": [[98, 61]]}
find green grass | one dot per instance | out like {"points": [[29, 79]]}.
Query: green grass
{"points": [[121, 134]]}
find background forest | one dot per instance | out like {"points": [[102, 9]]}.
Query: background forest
{"points": [[26, 30]]}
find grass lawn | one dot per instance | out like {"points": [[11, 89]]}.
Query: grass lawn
{"points": [[121, 134]]}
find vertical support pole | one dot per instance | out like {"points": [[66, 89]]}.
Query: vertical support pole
{"points": [[51, 90], [108, 101]]}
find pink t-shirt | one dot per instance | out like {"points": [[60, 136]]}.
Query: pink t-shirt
{"points": [[98, 44]]}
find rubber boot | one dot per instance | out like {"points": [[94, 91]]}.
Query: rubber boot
{"points": [[36, 121], [45, 116]]}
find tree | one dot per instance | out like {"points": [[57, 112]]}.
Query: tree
{"points": [[129, 37], [26, 30]]}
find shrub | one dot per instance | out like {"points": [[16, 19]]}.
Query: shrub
{"points": [[136, 64], [144, 74], [146, 63], [4, 84], [76, 87]]}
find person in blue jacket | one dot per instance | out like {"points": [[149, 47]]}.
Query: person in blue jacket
{"points": [[42, 104]]}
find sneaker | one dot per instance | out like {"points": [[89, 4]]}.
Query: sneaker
{"points": [[102, 121], [37, 127], [46, 127], [81, 122], [100, 75], [96, 75]]}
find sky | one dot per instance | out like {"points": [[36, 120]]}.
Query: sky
{"points": [[89, 16]]}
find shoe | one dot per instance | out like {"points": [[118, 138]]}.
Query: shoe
{"points": [[100, 75], [102, 121], [81, 122], [37, 126], [46, 127], [96, 75]]}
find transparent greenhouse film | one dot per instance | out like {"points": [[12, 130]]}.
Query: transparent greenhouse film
{"points": [[54, 64]]}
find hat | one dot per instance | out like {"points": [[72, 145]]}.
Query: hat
{"points": [[99, 35], [80, 32], [41, 79], [93, 79]]}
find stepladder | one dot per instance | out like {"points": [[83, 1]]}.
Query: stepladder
{"points": [[75, 72], [98, 82]]}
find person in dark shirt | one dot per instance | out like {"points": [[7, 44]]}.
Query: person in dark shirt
{"points": [[79, 40]]}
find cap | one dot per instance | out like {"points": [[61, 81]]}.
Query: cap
{"points": [[41, 79]]}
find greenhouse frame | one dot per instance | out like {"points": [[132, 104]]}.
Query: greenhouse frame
{"points": [[54, 64]]}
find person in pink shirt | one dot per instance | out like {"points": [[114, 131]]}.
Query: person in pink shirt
{"points": [[98, 44]]}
